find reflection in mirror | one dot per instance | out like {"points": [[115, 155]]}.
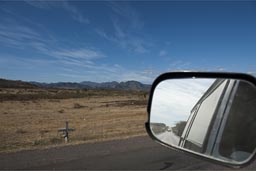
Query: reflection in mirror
{"points": [[213, 117]]}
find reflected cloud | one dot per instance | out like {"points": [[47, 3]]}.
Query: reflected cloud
{"points": [[174, 99]]}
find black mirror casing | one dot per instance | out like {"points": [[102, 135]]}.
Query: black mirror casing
{"points": [[185, 75]]}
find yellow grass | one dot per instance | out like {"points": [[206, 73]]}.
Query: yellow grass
{"points": [[27, 124]]}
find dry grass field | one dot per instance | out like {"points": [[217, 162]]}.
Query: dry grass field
{"points": [[30, 118]]}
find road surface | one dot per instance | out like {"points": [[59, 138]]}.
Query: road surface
{"points": [[169, 138], [139, 153]]}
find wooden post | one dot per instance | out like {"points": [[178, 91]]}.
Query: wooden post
{"points": [[66, 135]]}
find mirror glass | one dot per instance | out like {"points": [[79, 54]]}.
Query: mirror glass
{"points": [[211, 117]]}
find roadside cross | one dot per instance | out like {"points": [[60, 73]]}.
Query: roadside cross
{"points": [[66, 131]]}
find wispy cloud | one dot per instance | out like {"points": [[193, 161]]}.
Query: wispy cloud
{"points": [[81, 61], [153, 73], [42, 4], [20, 36], [106, 72], [65, 5], [127, 12], [176, 98], [72, 75], [13, 62], [49, 53], [126, 28], [162, 53], [125, 39], [86, 54], [179, 65], [76, 14]]}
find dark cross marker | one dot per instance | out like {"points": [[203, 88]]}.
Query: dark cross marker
{"points": [[65, 131]]}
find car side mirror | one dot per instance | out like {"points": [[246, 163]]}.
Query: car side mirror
{"points": [[211, 115]]}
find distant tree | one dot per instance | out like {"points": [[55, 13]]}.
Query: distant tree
{"points": [[179, 127]]}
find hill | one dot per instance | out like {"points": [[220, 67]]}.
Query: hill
{"points": [[15, 84]]}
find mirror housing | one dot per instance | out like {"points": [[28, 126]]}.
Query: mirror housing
{"points": [[212, 135]]}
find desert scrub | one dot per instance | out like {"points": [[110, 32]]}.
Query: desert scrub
{"points": [[61, 111], [44, 142], [78, 106], [21, 131], [55, 140]]}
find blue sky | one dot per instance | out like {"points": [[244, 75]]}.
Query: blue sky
{"points": [[118, 41]]}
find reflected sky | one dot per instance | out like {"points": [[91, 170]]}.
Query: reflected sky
{"points": [[173, 99]]}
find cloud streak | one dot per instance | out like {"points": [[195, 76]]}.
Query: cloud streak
{"points": [[174, 99], [163, 53], [126, 25], [76, 14], [20, 36], [124, 39], [45, 52], [127, 12], [65, 5], [86, 54], [79, 61]]}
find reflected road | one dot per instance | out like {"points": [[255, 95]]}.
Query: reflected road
{"points": [[169, 138]]}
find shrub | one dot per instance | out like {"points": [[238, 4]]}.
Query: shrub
{"points": [[77, 106], [20, 131], [61, 111]]}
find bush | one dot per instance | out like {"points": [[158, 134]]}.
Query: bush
{"points": [[77, 106], [61, 111], [21, 131]]}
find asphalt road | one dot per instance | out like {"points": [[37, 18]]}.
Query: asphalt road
{"points": [[169, 137], [139, 153]]}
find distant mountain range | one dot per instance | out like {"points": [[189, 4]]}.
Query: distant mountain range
{"points": [[128, 85]]}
